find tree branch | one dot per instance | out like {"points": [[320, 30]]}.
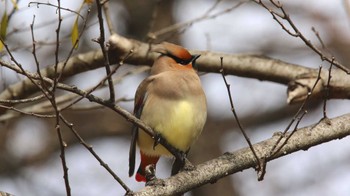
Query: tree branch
{"points": [[127, 115], [229, 163], [244, 65]]}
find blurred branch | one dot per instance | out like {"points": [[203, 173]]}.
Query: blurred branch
{"points": [[206, 16], [5, 194], [346, 4], [298, 78], [229, 163], [105, 6], [43, 109]]}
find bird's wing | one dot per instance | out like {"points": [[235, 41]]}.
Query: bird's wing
{"points": [[140, 98]]}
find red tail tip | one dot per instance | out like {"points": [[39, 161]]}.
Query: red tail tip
{"points": [[140, 178]]}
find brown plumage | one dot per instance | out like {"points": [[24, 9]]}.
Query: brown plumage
{"points": [[172, 102]]}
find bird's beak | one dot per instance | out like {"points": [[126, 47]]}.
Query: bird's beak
{"points": [[195, 57], [193, 61]]}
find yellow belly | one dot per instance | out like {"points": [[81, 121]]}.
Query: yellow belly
{"points": [[179, 122]]}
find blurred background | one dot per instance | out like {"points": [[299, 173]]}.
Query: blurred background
{"points": [[29, 150]]}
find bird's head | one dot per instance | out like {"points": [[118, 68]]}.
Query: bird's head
{"points": [[175, 54]]}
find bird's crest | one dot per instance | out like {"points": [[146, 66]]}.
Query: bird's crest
{"points": [[178, 53]]}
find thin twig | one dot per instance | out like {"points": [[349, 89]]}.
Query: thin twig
{"points": [[38, 26], [50, 96], [259, 167], [28, 113], [63, 145], [285, 16], [97, 106], [55, 6], [101, 41], [327, 90], [318, 37], [91, 150], [101, 83], [217, 2], [298, 119], [177, 26], [74, 45], [273, 150], [36, 98], [43, 84], [19, 69]]}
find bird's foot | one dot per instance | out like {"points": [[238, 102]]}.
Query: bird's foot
{"points": [[157, 137], [188, 166], [155, 182], [179, 163], [151, 179]]}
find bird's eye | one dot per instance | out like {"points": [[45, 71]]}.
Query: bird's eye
{"points": [[180, 61]]}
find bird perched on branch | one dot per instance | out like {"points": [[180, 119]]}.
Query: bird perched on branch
{"points": [[172, 102]]}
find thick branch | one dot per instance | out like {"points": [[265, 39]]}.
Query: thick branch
{"points": [[242, 159], [252, 66], [76, 64]]}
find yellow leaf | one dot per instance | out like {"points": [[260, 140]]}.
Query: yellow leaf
{"points": [[3, 27], [88, 1], [14, 2], [75, 33]]}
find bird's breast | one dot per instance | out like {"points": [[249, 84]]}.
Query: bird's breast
{"points": [[181, 129], [180, 122]]}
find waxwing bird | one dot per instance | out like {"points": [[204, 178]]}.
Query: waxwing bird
{"points": [[172, 102]]}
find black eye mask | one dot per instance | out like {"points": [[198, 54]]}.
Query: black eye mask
{"points": [[183, 61]]}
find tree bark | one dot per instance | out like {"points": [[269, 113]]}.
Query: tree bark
{"points": [[232, 162]]}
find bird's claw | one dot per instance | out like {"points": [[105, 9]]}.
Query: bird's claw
{"points": [[188, 166], [151, 178], [157, 138], [179, 163], [181, 156]]}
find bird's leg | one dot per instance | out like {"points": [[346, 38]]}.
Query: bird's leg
{"points": [[180, 156], [151, 178], [188, 165], [179, 162], [157, 137]]}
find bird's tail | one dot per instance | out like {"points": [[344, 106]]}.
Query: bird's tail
{"points": [[145, 160]]}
